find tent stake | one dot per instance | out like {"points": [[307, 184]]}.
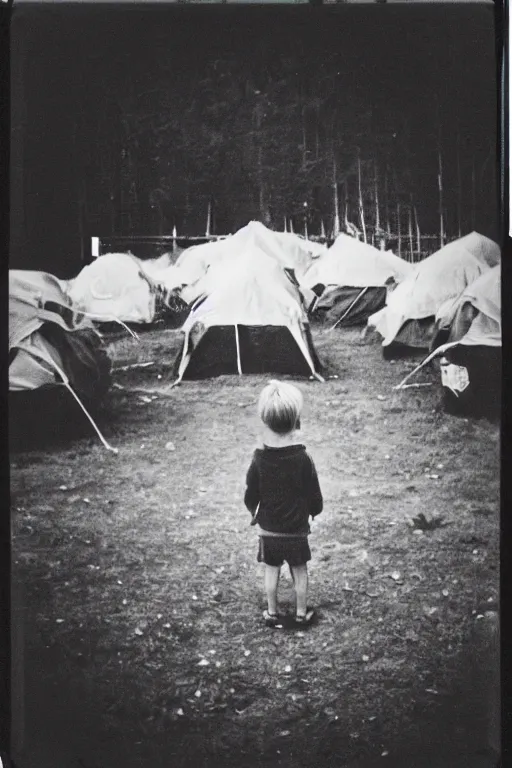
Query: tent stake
{"points": [[348, 310], [238, 361]]}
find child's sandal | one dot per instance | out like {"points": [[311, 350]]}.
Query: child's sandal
{"points": [[304, 621], [271, 619]]}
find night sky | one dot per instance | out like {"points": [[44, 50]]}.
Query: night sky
{"points": [[401, 60]]}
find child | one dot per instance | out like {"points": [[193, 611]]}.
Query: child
{"points": [[282, 493]]}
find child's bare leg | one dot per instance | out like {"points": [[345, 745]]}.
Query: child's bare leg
{"points": [[272, 573], [300, 578]]}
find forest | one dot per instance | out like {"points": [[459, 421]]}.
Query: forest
{"points": [[370, 119]]}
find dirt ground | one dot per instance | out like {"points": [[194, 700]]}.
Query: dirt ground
{"points": [[138, 634]]}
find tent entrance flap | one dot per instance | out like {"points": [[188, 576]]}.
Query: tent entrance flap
{"points": [[337, 303], [262, 349], [347, 311]]}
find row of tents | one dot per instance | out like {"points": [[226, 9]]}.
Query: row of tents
{"points": [[247, 301]]}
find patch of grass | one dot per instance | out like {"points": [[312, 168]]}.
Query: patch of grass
{"points": [[144, 567]]}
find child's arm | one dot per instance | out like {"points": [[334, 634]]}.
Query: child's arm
{"points": [[314, 494], [252, 491]]}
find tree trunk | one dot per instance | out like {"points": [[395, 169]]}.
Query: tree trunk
{"points": [[441, 212], [304, 138], [411, 245], [459, 187], [398, 229], [317, 137], [473, 196], [440, 178], [345, 211], [418, 236], [336, 228], [386, 194], [377, 211], [361, 206], [262, 192]]}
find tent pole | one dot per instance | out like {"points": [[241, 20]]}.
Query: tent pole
{"points": [[99, 318], [238, 361], [68, 386], [304, 349], [438, 351], [348, 310], [183, 363]]}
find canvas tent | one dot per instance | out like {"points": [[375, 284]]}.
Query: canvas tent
{"points": [[249, 319], [50, 345], [286, 249], [311, 247], [195, 261], [353, 276], [408, 319], [471, 368], [115, 287]]}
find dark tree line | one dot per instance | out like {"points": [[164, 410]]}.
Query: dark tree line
{"points": [[354, 123]]}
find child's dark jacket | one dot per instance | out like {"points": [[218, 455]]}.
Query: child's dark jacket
{"points": [[284, 483]]}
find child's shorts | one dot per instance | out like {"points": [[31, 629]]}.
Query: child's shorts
{"points": [[274, 550]]}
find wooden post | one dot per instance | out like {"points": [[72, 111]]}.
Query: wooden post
{"points": [[238, 360], [174, 237], [322, 229], [285, 225], [208, 219]]}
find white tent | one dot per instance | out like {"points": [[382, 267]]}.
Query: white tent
{"points": [[115, 287], [171, 278], [474, 317], [52, 345], [410, 313], [286, 249], [250, 318], [156, 265], [194, 261], [352, 276], [291, 239], [352, 263]]}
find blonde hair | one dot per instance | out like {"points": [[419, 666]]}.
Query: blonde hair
{"points": [[280, 407]]}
